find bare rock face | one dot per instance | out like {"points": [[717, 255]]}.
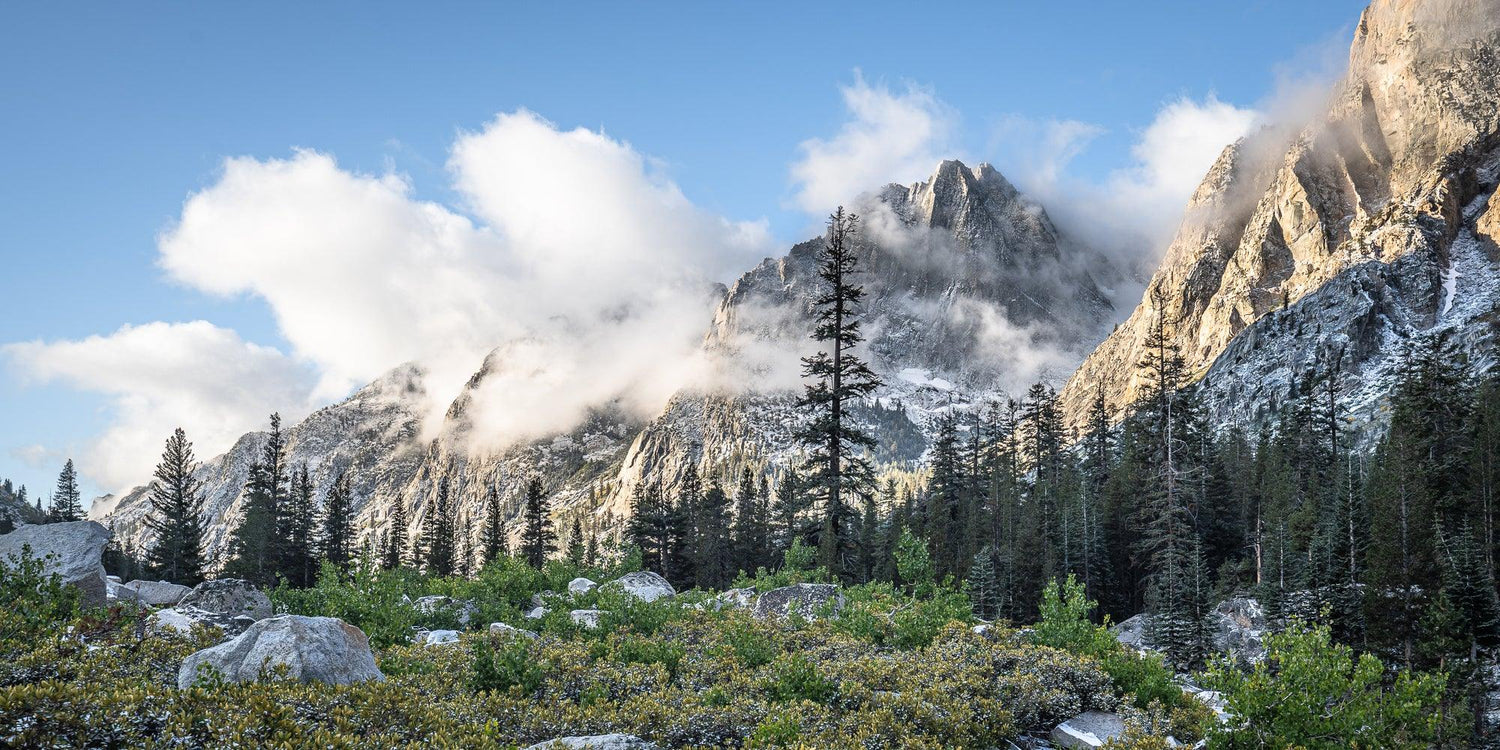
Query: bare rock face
{"points": [[1371, 195], [230, 596], [1089, 729], [312, 649], [72, 551]]}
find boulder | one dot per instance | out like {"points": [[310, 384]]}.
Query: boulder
{"points": [[500, 628], [646, 586], [181, 619], [537, 613], [596, 742], [157, 593], [1088, 729], [312, 649], [1132, 632], [587, 618], [230, 596], [462, 611], [116, 591], [579, 586], [437, 637], [71, 550], [736, 599], [1239, 628], [804, 599]]}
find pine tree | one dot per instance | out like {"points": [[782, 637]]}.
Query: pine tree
{"points": [[336, 540], [538, 541], [67, 503], [255, 546], [298, 529], [176, 519], [788, 513], [647, 529], [393, 552], [751, 534], [438, 535], [492, 537], [946, 521], [576, 550], [838, 470], [714, 555], [984, 586]]}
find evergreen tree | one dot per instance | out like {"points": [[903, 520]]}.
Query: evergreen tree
{"points": [[946, 520], [336, 540], [393, 552], [751, 534], [576, 551], [647, 529], [538, 541], [984, 586], [492, 536], [176, 518], [438, 535], [67, 503], [298, 529], [682, 529], [255, 546], [838, 469], [714, 555], [788, 513]]}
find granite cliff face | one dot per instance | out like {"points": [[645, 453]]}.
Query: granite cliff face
{"points": [[970, 290], [1354, 231]]}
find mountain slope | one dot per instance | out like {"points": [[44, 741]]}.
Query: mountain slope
{"points": [[1340, 229]]}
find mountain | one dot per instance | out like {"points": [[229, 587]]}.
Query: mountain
{"points": [[1341, 237], [970, 290]]}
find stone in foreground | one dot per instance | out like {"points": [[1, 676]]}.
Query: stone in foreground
{"points": [[805, 599], [586, 618], [157, 593], [645, 585], [1088, 729], [596, 742], [312, 649], [500, 628], [231, 596], [72, 550]]}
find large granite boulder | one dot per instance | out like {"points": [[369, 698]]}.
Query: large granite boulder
{"points": [[596, 742], [586, 618], [231, 596], [312, 649], [803, 599], [579, 586], [71, 550], [645, 585], [1088, 729], [462, 611], [157, 593]]}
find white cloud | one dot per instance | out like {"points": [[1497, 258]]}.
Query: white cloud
{"points": [[36, 455], [586, 264], [161, 376], [1132, 213], [891, 137]]}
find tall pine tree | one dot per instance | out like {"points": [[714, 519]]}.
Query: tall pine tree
{"points": [[176, 519], [538, 541]]}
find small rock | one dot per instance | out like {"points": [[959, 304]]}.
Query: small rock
{"points": [[537, 613], [579, 586], [646, 586], [181, 619], [313, 649], [596, 742], [500, 628], [118, 592], [805, 599], [72, 550], [231, 596], [438, 637], [588, 618], [736, 599], [1088, 729], [158, 593]]}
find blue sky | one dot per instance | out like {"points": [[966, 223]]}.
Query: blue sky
{"points": [[114, 114]]}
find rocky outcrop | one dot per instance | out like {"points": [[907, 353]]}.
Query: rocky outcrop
{"points": [[309, 649], [72, 551], [808, 600], [230, 596], [580, 586], [643, 585], [1368, 199], [596, 742], [181, 619], [1089, 729], [1239, 628], [156, 593]]}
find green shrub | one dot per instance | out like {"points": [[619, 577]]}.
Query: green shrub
{"points": [[750, 647], [632, 649], [795, 678], [508, 666]]}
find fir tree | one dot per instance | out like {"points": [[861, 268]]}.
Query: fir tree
{"points": [[984, 586], [538, 541], [788, 513], [647, 529], [751, 534], [67, 503], [838, 471], [336, 540], [393, 552], [438, 535], [576, 551], [492, 536], [297, 534], [255, 546], [714, 555], [176, 519]]}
